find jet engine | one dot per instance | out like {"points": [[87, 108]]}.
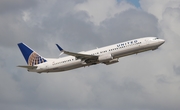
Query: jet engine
{"points": [[111, 61], [105, 58]]}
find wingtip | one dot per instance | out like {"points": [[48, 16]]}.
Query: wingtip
{"points": [[59, 47], [19, 43]]}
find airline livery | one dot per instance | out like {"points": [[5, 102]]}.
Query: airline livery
{"points": [[106, 55]]}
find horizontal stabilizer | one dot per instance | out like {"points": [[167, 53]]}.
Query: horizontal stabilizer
{"points": [[28, 67]]}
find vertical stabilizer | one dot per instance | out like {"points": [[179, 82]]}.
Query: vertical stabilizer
{"points": [[32, 58]]}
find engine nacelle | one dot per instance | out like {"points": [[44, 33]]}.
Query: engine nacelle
{"points": [[111, 61], [105, 58]]}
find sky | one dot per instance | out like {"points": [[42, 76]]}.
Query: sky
{"points": [[146, 81]]}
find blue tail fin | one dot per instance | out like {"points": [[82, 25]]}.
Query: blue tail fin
{"points": [[32, 58]]}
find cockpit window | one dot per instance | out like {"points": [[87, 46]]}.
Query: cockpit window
{"points": [[155, 38]]}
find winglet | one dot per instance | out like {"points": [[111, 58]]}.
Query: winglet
{"points": [[59, 47]]}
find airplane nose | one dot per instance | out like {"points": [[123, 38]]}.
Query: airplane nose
{"points": [[161, 41]]}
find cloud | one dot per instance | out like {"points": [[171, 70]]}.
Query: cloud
{"points": [[99, 12], [9, 6], [125, 24], [148, 80], [157, 8]]}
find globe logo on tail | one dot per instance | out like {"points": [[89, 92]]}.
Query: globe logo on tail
{"points": [[35, 59]]}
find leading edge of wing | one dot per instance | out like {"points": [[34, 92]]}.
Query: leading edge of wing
{"points": [[77, 55]]}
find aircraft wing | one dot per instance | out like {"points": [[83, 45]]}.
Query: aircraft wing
{"points": [[81, 56], [78, 55], [28, 67]]}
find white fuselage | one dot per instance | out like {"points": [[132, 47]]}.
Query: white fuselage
{"points": [[107, 55]]}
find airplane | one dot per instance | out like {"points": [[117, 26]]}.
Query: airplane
{"points": [[105, 55]]}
